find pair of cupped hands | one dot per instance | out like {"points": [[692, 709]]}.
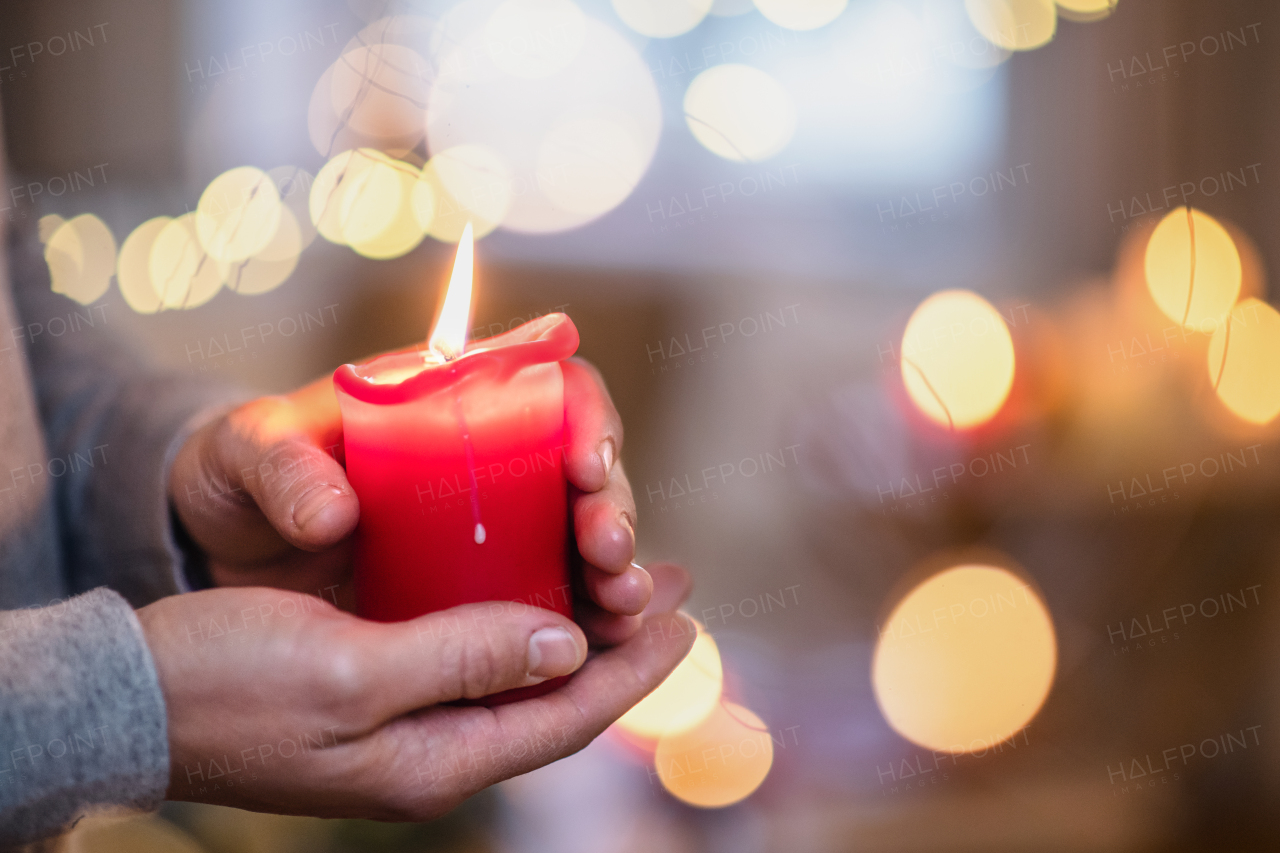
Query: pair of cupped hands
{"points": [[281, 700]]}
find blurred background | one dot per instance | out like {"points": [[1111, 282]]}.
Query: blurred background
{"points": [[941, 331]]}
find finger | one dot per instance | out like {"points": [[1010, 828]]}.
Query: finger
{"points": [[604, 523], [464, 653], [604, 629], [270, 449], [593, 429], [626, 594], [498, 743], [671, 587]]}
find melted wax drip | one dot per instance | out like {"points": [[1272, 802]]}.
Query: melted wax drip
{"points": [[480, 534]]}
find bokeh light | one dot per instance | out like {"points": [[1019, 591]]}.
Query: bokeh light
{"points": [[1192, 269], [356, 196], [182, 273], [596, 164], [1244, 361], [375, 93], [957, 359], [402, 233], [719, 762], [270, 267], [965, 660], [460, 185], [739, 112], [1086, 10], [662, 18], [237, 214], [954, 41], [81, 255], [48, 223], [682, 701], [133, 270], [524, 123], [535, 38], [801, 14], [1014, 24]]}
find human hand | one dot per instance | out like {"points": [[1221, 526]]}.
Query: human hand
{"points": [[281, 702], [262, 492]]}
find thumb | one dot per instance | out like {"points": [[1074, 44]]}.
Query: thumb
{"points": [[467, 652], [263, 451]]}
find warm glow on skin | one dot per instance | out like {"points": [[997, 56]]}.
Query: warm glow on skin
{"points": [[719, 762], [449, 338], [684, 699], [1192, 269], [965, 660], [1244, 361], [957, 359]]}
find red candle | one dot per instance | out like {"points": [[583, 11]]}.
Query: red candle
{"points": [[456, 454]]}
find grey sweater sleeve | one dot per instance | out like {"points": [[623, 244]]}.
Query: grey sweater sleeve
{"points": [[82, 719], [110, 416]]}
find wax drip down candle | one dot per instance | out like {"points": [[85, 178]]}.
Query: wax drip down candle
{"points": [[456, 455]]}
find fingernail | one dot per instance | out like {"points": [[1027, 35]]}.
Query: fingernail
{"points": [[625, 521], [313, 502], [552, 652], [606, 457]]}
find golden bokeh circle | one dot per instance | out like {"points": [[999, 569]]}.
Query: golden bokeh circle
{"points": [[237, 214], [1014, 24], [356, 196], [719, 762], [739, 113], [182, 273], [133, 268], [965, 659], [957, 359], [272, 266], [1192, 269], [1085, 11], [684, 698], [1244, 361], [81, 254], [465, 183]]}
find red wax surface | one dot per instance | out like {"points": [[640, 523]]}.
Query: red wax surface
{"points": [[477, 440]]}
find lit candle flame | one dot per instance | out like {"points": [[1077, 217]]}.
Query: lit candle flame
{"points": [[449, 337]]}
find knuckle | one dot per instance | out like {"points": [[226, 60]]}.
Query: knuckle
{"points": [[473, 664], [341, 680]]}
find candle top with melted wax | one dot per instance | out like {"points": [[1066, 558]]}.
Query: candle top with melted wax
{"points": [[397, 373], [407, 375]]}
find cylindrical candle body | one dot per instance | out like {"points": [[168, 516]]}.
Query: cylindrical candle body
{"points": [[460, 475]]}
